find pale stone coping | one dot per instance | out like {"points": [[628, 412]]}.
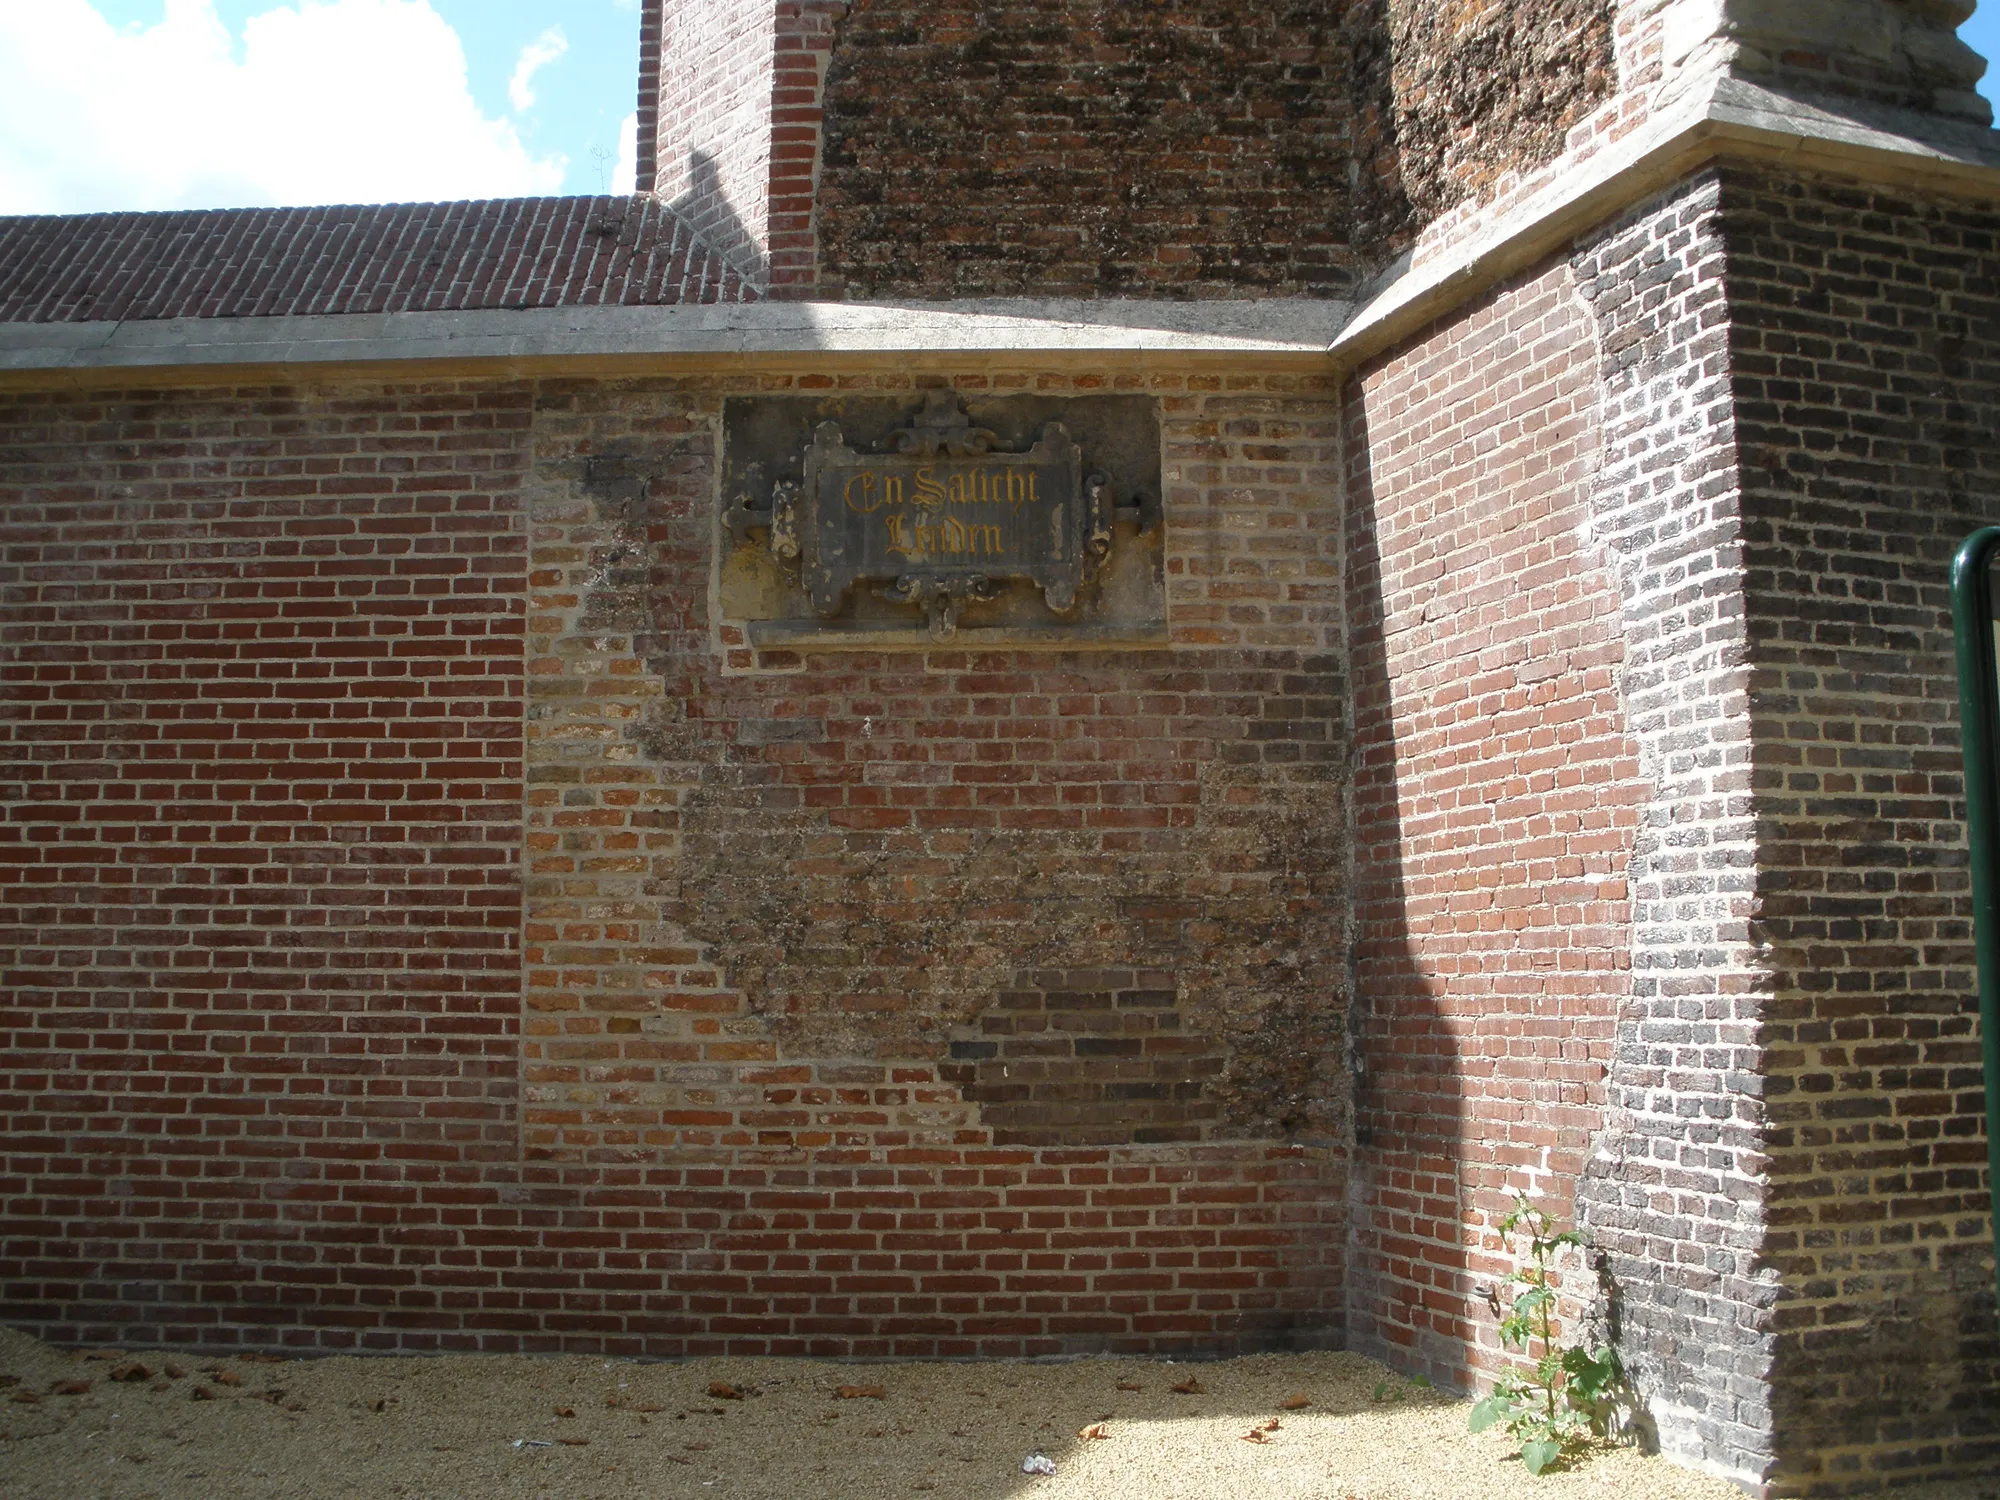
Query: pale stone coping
{"points": [[653, 336], [1730, 119]]}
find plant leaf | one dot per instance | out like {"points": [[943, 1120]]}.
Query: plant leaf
{"points": [[1493, 1409], [1538, 1455]]}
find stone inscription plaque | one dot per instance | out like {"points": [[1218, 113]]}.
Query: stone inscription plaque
{"points": [[1027, 516], [944, 519]]}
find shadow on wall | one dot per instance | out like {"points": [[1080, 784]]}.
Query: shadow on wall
{"points": [[1498, 793], [704, 204], [1407, 1262]]}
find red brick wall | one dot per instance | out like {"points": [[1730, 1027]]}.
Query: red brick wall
{"points": [[499, 962], [1497, 794], [652, 59], [804, 45], [729, 123], [259, 881]]}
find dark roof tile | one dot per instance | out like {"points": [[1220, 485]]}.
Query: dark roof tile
{"points": [[399, 257]]}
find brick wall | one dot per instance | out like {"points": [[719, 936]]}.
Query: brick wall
{"points": [[669, 1035], [259, 881], [1496, 801], [888, 148], [652, 59], [805, 38], [712, 143], [1674, 1197], [782, 905], [1784, 418], [1184, 148], [729, 126], [1486, 89], [1869, 397]]}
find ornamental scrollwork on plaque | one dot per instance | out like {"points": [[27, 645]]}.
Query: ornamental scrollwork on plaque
{"points": [[940, 515]]}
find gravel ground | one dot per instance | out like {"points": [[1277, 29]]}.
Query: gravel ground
{"points": [[151, 1424]]}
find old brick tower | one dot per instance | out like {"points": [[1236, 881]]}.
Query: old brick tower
{"points": [[1099, 672]]}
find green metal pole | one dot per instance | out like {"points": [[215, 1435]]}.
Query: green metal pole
{"points": [[1979, 720]]}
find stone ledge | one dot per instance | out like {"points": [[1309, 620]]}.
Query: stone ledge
{"points": [[661, 339]]}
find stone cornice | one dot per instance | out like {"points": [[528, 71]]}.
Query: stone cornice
{"points": [[640, 340]]}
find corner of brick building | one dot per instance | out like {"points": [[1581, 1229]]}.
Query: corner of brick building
{"points": [[1786, 1188]]}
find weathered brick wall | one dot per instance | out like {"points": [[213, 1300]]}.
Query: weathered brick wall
{"points": [[776, 912], [1492, 87], [689, 1055], [1180, 148], [1183, 149], [1868, 386], [1497, 798], [259, 878]]}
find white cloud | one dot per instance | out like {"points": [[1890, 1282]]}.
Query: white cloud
{"points": [[625, 176], [329, 101], [538, 54]]}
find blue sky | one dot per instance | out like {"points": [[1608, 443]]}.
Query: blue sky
{"points": [[1983, 33], [149, 104]]}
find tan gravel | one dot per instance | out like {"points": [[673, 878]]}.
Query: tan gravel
{"points": [[475, 1426]]}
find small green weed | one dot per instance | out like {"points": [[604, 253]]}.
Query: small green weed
{"points": [[1567, 1397], [1400, 1390]]}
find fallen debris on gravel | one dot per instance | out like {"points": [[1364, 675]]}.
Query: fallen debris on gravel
{"points": [[507, 1428]]}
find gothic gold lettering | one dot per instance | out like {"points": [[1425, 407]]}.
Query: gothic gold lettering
{"points": [[867, 504]]}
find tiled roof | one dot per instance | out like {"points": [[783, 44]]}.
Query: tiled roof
{"points": [[400, 257]]}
